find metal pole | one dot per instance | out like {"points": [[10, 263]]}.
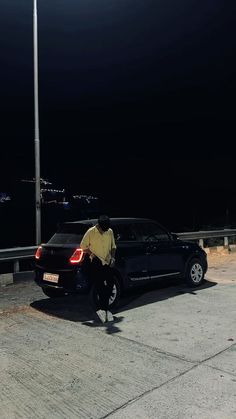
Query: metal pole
{"points": [[36, 128]]}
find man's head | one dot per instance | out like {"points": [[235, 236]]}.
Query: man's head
{"points": [[104, 222]]}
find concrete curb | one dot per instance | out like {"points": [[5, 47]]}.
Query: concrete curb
{"points": [[12, 278], [6, 279]]}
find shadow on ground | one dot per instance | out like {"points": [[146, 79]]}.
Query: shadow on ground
{"points": [[158, 292], [77, 308]]}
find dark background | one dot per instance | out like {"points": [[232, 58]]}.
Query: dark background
{"points": [[137, 107]]}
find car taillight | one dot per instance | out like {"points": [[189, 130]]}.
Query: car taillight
{"points": [[77, 256], [38, 252]]}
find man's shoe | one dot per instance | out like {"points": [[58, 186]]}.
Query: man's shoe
{"points": [[102, 315], [110, 317]]}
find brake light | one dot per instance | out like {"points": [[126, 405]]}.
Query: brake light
{"points": [[38, 252], [77, 256]]}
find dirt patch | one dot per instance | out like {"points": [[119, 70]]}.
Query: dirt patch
{"points": [[222, 267], [220, 258]]}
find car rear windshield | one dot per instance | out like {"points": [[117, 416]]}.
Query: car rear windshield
{"points": [[69, 233]]}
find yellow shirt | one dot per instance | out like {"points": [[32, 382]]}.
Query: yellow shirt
{"points": [[100, 244]]}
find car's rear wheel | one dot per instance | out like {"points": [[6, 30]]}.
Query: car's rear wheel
{"points": [[114, 298], [195, 273], [53, 292]]}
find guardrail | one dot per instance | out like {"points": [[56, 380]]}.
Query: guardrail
{"points": [[20, 253], [208, 234], [16, 254]]}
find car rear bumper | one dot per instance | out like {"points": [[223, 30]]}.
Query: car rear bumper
{"points": [[68, 281]]}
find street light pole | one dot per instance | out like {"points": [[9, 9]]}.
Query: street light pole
{"points": [[36, 128]]}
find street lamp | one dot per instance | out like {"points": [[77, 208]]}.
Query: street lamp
{"points": [[36, 127]]}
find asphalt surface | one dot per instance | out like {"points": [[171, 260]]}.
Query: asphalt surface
{"points": [[171, 352]]}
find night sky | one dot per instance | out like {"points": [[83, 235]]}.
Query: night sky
{"points": [[137, 102]]}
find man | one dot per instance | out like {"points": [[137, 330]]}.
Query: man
{"points": [[99, 243]]}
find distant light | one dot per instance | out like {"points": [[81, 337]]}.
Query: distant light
{"points": [[4, 197], [42, 181], [53, 190], [88, 198]]}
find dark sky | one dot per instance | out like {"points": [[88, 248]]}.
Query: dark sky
{"points": [[139, 93]]}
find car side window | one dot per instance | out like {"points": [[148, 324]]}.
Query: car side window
{"points": [[150, 232], [123, 232]]}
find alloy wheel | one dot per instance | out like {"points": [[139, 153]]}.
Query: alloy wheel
{"points": [[196, 273]]}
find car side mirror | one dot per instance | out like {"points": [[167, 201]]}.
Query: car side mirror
{"points": [[174, 236]]}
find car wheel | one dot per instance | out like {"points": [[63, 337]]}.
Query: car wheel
{"points": [[53, 292], [115, 295], [195, 273], [114, 298]]}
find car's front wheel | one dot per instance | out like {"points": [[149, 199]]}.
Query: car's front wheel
{"points": [[195, 273], [53, 292]]}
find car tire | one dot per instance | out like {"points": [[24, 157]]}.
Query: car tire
{"points": [[53, 292], [195, 273], [114, 299]]}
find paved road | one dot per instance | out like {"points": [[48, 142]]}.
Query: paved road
{"points": [[170, 354]]}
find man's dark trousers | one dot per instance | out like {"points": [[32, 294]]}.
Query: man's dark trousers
{"points": [[103, 279]]}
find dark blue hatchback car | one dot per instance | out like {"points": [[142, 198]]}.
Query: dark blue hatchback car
{"points": [[146, 252]]}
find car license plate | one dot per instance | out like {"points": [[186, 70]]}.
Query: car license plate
{"points": [[50, 277]]}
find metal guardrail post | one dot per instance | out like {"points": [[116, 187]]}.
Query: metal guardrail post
{"points": [[201, 243], [226, 241], [16, 266]]}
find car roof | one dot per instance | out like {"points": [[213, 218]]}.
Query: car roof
{"points": [[120, 220]]}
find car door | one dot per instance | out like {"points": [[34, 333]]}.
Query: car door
{"points": [[164, 257], [131, 257]]}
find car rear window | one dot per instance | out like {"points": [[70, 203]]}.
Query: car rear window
{"points": [[69, 233]]}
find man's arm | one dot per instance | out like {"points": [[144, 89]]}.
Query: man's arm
{"points": [[85, 243], [113, 250]]}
